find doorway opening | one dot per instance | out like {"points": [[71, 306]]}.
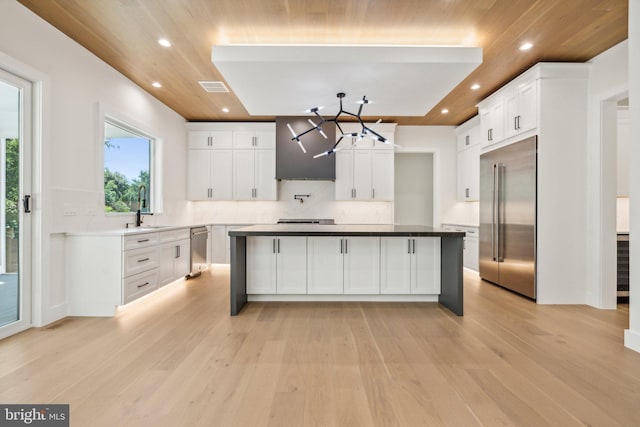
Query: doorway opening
{"points": [[413, 199]]}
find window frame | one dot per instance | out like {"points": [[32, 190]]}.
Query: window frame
{"points": [[155, 163]]}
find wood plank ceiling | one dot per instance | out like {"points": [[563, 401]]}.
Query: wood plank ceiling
{"points": [[125, 33]]}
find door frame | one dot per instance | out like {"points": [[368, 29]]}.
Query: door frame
{"points": [[437, 191], [25, 135]]}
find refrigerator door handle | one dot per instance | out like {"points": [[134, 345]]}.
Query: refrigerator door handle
{"points": [[499, 200], [493, 213]]}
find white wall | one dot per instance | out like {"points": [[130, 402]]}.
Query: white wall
{"points": [[608, 81], [632, 335], [413, 201], [74, 84]]}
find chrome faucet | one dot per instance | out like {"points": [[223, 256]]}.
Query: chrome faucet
{"points": [[142, 203]]}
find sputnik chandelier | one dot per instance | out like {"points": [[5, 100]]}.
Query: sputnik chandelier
{"points": [[356, 136]]}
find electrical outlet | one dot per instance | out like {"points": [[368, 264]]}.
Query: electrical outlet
{"points": [[70, 210]]}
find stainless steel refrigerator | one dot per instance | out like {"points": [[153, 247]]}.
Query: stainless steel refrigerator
{"points": [[508, 217]]}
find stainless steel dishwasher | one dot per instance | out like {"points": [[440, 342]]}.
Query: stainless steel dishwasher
{"points": [[198, 251]]}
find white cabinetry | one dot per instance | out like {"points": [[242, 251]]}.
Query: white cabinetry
{"points": [[471, 244], [231, 161], [410, 265], [341, 265], [276, 265], [210, 139], [209, 174], [107, 270], [468, 168], [491, 122], [520, 103], [174, 255], [363, 174], [254, 172]]}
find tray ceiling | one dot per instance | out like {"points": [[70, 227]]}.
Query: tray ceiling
{"points": [[125, 35]]}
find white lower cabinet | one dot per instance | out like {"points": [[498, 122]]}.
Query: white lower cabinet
{"points": [[343, 265], [325, 264], [410, 265], [174, 260], [276, 265]]}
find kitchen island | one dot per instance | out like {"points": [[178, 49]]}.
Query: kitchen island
{"points": [[303, 262]]}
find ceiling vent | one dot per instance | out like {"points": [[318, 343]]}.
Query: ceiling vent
{"points": [[216, 87]]}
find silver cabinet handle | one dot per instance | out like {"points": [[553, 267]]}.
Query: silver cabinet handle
{"points": [[143, 260], [466, 140], [466, 193], [278, 240], [346, 246], [373, 193], [515, 123], [414, 246], [408, 246], [273, 246], [143, 285], [177, 251], [341, 250], [143, 240]]}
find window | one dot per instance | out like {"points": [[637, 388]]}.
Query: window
{"points": [[128, 162]]}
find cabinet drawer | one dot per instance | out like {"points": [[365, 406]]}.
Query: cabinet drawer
{"points": [[142, 240], [174, 235], [139, 260], [138, 285]]}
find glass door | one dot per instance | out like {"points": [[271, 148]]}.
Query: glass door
{"points": [[15, 205]]}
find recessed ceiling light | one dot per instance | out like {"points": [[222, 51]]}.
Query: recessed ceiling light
{"points": [[225, 110], [444, 111], [526, 46], [475, 86], [156, 84], [164, 42]]}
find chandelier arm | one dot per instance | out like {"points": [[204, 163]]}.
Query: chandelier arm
{"points": [[303, 133], [380, 137]]}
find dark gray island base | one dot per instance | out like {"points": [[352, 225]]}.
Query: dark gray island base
{"points": [[451, 249]]}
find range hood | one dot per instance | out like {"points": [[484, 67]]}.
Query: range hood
{"points": [[292, 163]]}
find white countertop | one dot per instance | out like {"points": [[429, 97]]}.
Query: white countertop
{"points": [[131, 230]]}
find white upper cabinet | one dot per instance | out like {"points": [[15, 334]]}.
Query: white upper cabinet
{"points": [[254, 139], [468, 167], [209, 175], [520, 103], [254, 174], [210, 139], [231, 161], [382, 178], [492, 122]]}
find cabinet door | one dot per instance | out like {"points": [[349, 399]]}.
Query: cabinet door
{"points": [[221, 139], [425, 267], [497, 122], [324, 265], [485, 126], [382, 177], [182, 261], [362, 174], [395, 265], [528, 107], [291, 265], [199, 175], [199, 139], [218, 244], [265, 140], [511, 113], [167, 255], [265, 175], [243, 174], [221, 174], [471, 252], [243, 139], [344, 175], [261, 265], [472, 174], [362, 265], [461, 175]]}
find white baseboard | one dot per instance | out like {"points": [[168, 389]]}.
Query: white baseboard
{"points": [[632, 340]]}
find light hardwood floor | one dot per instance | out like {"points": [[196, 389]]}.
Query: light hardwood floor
{"points": [[178, 359]]}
